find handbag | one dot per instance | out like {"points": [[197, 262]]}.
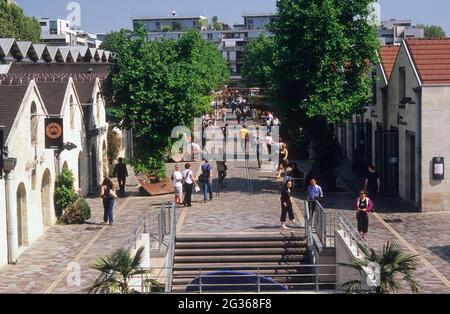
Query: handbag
{"points": [[112, 194], [197, 189]]}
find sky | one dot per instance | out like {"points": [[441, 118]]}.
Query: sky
{"points": [[108, 15]]}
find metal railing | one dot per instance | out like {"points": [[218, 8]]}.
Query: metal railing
{"points": [[352, 234], [280, 278], [325, 225], [310, 240], [171, 247]]}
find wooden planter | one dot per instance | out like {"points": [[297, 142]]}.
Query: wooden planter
{"points": [[154, 189]]}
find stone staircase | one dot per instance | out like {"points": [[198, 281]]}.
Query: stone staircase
{"points": [[277, 255]]}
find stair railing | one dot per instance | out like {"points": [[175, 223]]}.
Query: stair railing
{"points": [[171, 246], [310, 239]]}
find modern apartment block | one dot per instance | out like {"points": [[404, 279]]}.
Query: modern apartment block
{"points": [[393, 31], [230, 41], [57, 32]]}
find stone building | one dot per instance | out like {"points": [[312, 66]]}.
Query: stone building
{"points": [[35, 85], [405, 131]]}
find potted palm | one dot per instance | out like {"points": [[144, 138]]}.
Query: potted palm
{"points": [[117, 270], [394, 264]]}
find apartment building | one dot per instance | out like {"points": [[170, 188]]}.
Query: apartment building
{"points": [[393, 31]]}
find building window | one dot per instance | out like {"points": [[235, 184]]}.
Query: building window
{"points": [[72, 113], [34, 124], [401, 84], [210, 36], [250, 24], [33, 179], [53, 27], [43, 23]]}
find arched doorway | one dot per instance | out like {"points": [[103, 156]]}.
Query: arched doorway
{"points": [[94, 169], [46, 199], [105, 160], [22, 219]]}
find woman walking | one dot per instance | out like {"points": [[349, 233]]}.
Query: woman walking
{"points": [[283, 162], [108, 194], [177, 182], [363, 207], [189, 183], [286, 205]]}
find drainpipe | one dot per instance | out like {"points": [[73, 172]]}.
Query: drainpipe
{"points": [[418, 148], [11, 213]]}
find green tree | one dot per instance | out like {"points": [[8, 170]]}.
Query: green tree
{"points": [[65, 194], [258, 61], [14, 24], [433, 31], [323, 49], [114, 40], [216, 24], [394, 263], [156, 86]]}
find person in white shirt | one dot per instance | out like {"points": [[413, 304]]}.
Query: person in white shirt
{"points": [[189, 183], [177, 182], [269, 142]]}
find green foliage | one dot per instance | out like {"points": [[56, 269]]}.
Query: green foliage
{"points": [[258, 61], [153, 167], [116, 271], [156, 86], [65, 194], [433, 31], [215, 24], [114, 40], [394, 262], [14, 24], [114, 146], [77, 213]]}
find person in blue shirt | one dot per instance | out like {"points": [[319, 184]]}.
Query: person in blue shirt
{"points": [[206, 180], [313, 194]]}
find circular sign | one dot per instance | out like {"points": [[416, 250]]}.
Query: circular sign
{"points": [[53, 131]]}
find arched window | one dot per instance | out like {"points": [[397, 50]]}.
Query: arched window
{"points": [[72, 113], [34, 124]]}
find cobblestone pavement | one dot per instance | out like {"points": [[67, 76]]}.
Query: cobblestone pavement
{"points": [[425, 234], [43, 267]]}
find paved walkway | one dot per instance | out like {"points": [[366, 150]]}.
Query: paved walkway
{"points": [[49, 264], [425, 234]]}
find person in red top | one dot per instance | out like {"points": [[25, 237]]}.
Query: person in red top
{"points": [[363, 206]]}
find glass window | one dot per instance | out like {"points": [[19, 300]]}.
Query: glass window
{"points": [[53, 27], [402, 83]]}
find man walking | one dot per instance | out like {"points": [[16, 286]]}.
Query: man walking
{"points": [[372, 184], [206, 180], [313, 194], [120, 170]]}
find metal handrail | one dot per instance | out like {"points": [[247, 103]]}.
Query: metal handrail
{"points": [[353, 235], [310, 239], [171, 248], [325, 225]]}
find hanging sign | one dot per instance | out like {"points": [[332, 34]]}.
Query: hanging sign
{"points": [[54, 136]]}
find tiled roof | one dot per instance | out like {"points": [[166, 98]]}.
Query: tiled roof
{"points": [[84, 91], [11, 98], [53, 96], [69, 68], [388, 55], [432, 59]]}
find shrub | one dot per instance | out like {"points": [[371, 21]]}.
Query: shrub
{"points": [[65, 194], [77, 213], [154, 168]]}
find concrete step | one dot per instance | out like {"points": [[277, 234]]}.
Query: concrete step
{"points": [[240, 251], [249, 244], [205, 266], [238, 259], [253, 237]]}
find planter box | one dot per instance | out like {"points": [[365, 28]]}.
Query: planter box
{"points": [[155, 189]]}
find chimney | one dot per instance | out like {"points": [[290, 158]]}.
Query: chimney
{"points": [[174, 13]]}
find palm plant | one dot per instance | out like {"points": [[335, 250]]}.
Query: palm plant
{"points": [[394, 263], [117, 270]]}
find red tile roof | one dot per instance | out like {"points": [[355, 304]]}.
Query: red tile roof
{"points": [[388, 55], [432, 59]]}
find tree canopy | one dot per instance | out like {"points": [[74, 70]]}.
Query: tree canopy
{"points": [[114, 40], [433, 31], [156, 86], [15, 24]]}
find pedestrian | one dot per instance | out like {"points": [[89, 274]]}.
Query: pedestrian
{"points": [[269, 141], [121, 172], [313, 194], [238, 115], [177, 183], [222, 172], [244, 136], [363, 207], [283, 162], [224, 114], [108, 195], [188, 185], [372, 184], [206, 181], [286, 205]]}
